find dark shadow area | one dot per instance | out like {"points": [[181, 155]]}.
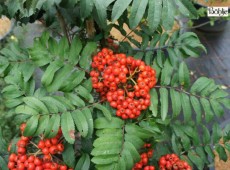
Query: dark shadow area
{"points": [[216, 63]]}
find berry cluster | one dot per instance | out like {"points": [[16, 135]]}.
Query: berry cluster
{"points": [[145, 156], [40, 160], [172, 162], [123, 81]]}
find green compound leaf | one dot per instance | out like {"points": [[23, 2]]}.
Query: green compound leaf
{"points": [[184, 77], [103, 122], [42, 124], [104, 110], [167, 14], [80, 122], [86, 54], [186, 106], [31, 126], [176, 102], [221, 152], [48, 75], [84, 162], [137, 12], [118, 8], [54, 124], [86, 7], [154, 13], [88, 115], [164, 103], [154, 102], [69, 155], [67, 126], [36, 104]]}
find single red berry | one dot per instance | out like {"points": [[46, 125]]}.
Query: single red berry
{"points": [[53, 149], [60, 147], [31, 158], [54, 166], [11, 165], [54, 141], [37, 161], [21, 150], [25, 138], [63, 167], [39, 167], [21, 166], [47, 158], [23, 158], [22, 127], [12, 157], [41, 144], [48, 143], [45, 151], [30, 166], [21, 143]]}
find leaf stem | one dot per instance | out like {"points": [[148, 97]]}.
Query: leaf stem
{"points": [[82, 69], [123, 140], [154, 49], [63, 24], [132, 31], [181, 91]]}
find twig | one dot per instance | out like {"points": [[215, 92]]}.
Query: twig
{"points": [[34, 144], [63, 24]]}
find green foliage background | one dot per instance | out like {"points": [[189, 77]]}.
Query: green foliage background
{"points": [[61, 95]]}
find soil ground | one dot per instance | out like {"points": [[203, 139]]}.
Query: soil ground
{"points": [[216, 3]]}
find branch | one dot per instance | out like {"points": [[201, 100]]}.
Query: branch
{"points": [[123, 140], [63, 24]]}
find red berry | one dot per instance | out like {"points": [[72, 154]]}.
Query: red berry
{"points": [[45, 151], [30, 166], [41, 144], [54, 166], [26, 139], [39, 168], [11, 165], [47, 158], [12, 157], [60, 147], [22, 127], [21, 150], [37, 161], [54, 141], [23, 158], [31, 158], [48, 143], [63, 167], [53, 149], [20, 166]]}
